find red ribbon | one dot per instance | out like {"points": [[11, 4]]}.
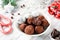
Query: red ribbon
{"points": [[54, 9]]}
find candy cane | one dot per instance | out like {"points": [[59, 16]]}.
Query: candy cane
{"points": [[6, 25], [5, 18], [5, 32]]}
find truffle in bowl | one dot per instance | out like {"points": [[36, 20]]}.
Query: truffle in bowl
{"points": [[35, 25]]}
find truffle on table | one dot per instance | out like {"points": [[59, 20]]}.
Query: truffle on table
{"points": [[39, 29], [55, 33], [22, 26], [29, 29]]}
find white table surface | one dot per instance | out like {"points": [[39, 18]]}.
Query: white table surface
{"points": [[31, 6]]}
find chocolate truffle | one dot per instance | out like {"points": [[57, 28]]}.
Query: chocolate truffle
{"points": [[34, 25], [45, 23], [29, 20], [39, 29], [22, 26], [55, 33], [37, 22], [40, 17], [29, 29]]}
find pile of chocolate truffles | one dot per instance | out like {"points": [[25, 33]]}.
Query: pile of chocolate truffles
{"points": [[55, 34], [34, 25]]}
